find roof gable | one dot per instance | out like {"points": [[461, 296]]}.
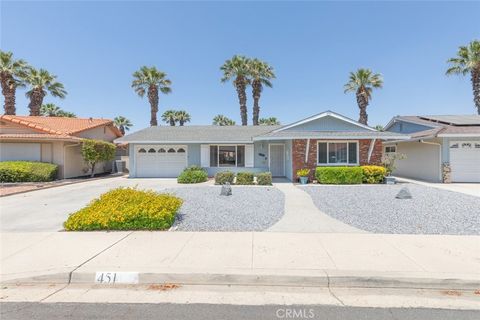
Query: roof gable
{"points": [[326, 121]]}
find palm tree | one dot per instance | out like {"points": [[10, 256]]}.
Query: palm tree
{"points": [[41, 82], [51, 110], [221, 120], [238, 69], [261, 73], [122, 124], [182, 117], [11, 73], [151, 80], [468, 61], [379, 127], [362, 82], [170, 117], [272, 121]]}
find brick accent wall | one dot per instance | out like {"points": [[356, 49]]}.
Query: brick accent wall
{"points": [[299, 147]]}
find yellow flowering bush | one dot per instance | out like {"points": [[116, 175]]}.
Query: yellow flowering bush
{"points": [[126, 209], [373, 174]]}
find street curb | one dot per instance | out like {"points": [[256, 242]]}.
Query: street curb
{"points": [[338, 280]]}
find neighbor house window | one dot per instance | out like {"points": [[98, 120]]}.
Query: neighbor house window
{"points": [[338, 153], [390, 149], [227, 156]]}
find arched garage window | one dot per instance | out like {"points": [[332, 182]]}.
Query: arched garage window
{"points": [[142, 151], [171, 150], [181, 150], [161, 150], [151, 150]]}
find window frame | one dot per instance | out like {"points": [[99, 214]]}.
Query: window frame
{"points": [[328, 164], [236, 155], [385, 149]]}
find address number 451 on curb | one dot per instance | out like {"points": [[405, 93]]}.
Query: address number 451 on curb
{"points": [[103, 277]]}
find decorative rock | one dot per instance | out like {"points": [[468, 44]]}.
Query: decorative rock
{"points": [[404, 193], [226, 189]]}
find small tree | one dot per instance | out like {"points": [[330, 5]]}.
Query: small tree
{"points": [[94, 151], [389, 159]]}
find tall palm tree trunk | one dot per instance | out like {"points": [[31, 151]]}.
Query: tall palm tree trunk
{"points": [[172, 122], [362, 102], [476, 88], [153, 99], [181, 123], [8, 91], [257, 89], [242, 99], [36, 101]]}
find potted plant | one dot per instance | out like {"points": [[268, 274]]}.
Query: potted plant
{"points": [[303, 175]]}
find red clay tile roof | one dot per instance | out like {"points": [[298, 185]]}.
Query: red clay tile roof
{"points": [[59, 125], [38, 136]]}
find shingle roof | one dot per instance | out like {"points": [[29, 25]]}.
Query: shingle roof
{"points": [[331, 134], [453, 124], [59, 125], [199, 134], [459, 120]]}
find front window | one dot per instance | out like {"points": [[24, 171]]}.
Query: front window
{"points": [[390, 149], [338, 153], [227, 156]]}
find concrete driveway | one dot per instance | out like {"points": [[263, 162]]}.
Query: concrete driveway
{"points": [[45, 210]]}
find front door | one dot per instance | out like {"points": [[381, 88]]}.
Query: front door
{"points": [[277, 160]]}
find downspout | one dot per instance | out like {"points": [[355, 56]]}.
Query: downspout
{"points": [[307, 151], [370, 149], [439, 155]]}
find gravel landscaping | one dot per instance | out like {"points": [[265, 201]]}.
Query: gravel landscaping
{"points": [[374, 208], [247, 209]]}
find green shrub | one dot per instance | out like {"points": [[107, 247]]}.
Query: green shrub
{"points": [[126, 209], [193, 174], [94, 151], [223, 177], [339, 175], [303, 172], [244, 178], [373, 174], [27, 171], [264, 179]]}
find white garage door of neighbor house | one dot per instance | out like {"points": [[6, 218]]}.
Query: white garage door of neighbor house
{"points": [[20, 151], [465, 161], [157, 161]]}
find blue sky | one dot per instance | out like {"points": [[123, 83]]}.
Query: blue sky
{"points": [[94, 47]]}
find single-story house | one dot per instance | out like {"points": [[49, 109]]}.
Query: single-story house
{"points": [[325, 139], [441, 148], [54, 140]]}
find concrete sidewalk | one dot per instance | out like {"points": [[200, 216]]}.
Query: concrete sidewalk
{"points": [[302, 259]]}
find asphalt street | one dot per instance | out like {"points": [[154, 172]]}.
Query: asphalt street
{"points": [[137, 311]]}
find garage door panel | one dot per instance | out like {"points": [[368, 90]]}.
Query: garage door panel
{"points": [[160, 164], [465, 161]]}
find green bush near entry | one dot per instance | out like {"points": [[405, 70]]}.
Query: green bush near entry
{"points": [[264, 179], [339, 175], [244, 178], [27, 171], [193, 174], [223, 177]]}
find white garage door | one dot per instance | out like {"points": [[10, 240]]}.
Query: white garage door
{"points": [[465, 161], [157, 161], [20, 151]]}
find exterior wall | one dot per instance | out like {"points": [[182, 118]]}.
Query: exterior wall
{"points": [[75, 166], [299, 147], [327, 124], [423, 161], [407, 127], [100, 133], [260, 150]]}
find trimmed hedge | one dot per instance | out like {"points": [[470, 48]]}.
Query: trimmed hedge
{"points": [[264, 179], [373, 174], [126, 209], [193, 174], [339, 175], [27, 171], [223, 177], [244, 178]]}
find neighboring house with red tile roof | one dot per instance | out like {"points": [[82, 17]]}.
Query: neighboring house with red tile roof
{"points": [[53, 139], [441, 148]]}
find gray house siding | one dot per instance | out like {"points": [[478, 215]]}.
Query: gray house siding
{"points": [[327, 124], [407, 127]]}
